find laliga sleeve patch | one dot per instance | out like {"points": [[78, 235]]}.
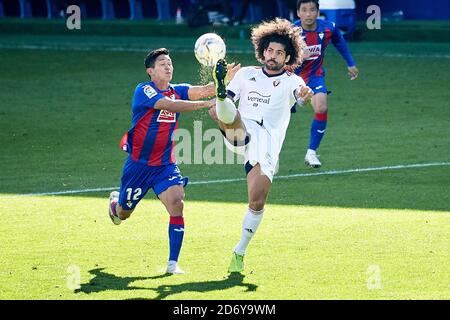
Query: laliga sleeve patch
{"points": [[149, 91]]}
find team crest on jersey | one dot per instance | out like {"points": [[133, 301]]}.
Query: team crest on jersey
{"points": [[149, 91], [276, 83], [166, 116], [321, 35]]}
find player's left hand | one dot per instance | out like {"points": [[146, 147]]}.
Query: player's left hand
{"points": [[212, 113], [232, 69], [353, 72]]}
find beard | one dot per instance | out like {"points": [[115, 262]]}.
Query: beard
{"points": [[275, 66]]}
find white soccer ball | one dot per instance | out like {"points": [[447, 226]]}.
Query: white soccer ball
{"points": [[209, 48]]}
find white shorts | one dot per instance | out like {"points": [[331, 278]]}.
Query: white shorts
{"points": [[262, 148]]}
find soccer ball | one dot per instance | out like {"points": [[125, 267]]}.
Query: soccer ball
{"points": [[209, 48]]}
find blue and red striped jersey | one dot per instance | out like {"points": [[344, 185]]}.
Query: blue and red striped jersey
{"points": [[317, 42], [149, 141]]}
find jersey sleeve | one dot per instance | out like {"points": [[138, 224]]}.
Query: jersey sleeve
{"points": [[296, 82], [182, 90], [341, 46], [145, 97], [234, 87]]}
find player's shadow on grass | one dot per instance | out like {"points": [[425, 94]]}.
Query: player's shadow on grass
{"points": [[103, 281], [233, 280]]}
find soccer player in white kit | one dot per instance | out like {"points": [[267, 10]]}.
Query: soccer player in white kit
{"points": [[258, 126]]}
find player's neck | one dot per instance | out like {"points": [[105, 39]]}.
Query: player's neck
{"points": [[310, 27], [273, 72], [160, 84]]}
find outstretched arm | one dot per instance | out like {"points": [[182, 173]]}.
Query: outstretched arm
{"points": [[183, 105]]}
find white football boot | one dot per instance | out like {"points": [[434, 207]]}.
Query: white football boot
{"points": [[173, 268], [113, 199], [311, 159]]}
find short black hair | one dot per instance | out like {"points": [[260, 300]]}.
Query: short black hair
{"points": [[153, 55], [299, 3]]}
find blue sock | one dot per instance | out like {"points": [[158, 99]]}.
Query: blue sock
{"points": [[176, 233], [318, 126]]}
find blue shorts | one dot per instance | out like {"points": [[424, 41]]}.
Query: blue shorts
{"points": [[317, 84], [138, 178]]}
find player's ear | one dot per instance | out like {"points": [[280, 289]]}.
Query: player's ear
{"points": [[149, 71], [288, 57]]}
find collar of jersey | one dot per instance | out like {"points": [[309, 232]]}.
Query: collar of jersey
{"points": [[169, 88], [298, 23], [272, 75]]}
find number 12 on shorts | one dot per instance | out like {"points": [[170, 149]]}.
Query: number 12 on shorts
{"points": [[136, 194]]}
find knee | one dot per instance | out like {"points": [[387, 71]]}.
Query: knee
{"points": [[176, 206], [321, 108], [256, 204]]}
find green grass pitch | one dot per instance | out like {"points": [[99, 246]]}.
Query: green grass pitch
{"points": [[370, 235]]}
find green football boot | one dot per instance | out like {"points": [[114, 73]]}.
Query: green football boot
{"points": [[219, 74], [237, 263]]}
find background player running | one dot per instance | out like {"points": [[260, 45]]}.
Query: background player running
{"points": [[151, 164], [259, 125], [317, 34]]}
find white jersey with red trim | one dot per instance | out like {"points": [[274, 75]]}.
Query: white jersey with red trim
{"points": [[265, 98], [265, 103]]}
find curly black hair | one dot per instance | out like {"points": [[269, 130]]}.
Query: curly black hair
{"points": [[281, 31]]}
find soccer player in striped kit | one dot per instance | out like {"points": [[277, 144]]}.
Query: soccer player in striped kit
{"points": [[151, 164], [317, 34]]}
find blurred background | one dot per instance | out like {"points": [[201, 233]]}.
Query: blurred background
{"points": [[349, 15]]}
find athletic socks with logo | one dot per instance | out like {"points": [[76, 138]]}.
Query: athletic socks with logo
{"points": [[176, 233], [318, 127], [225, 110], [251, 222]]}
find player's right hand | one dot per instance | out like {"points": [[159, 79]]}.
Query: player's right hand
{"points": [[210, 103]]}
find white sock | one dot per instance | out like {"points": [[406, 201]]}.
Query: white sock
{"points": [[251, 222], [226, 110]]}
